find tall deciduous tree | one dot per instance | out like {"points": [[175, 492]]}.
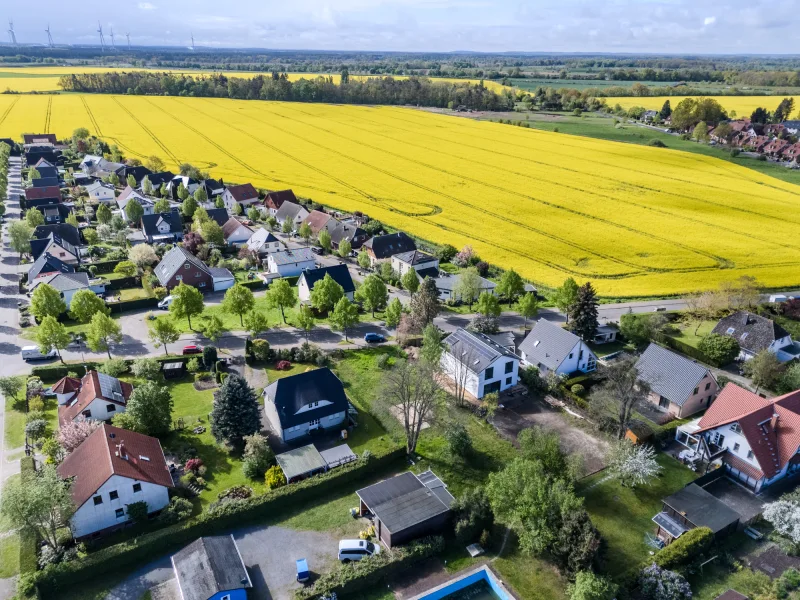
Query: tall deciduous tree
{"points": [[187, 302], [236, 412], [764, 369], [633, 465], [305, 232], [488, 305], [324, 239], [344, 316], [103, 331], [415, 390], [326, 293], [34, 217], [620, 393], [410, 281], [238, 300], [255, 322], [425, 305], [46, 301], [394, 310], [147, 187], [103, 214], [72, 434], [281, 295], [306, 320], [468, 286], [188, 207], [148, 410], [52, 335], [20, 233], [511, 285], [134, 211], [583, 313], [432, 347], [131, 180], [155, 164], [162, 332], [528, 307], [345, 248], [373, 293], [363, 260], [142, 255], [565, 296], [212, 327]]}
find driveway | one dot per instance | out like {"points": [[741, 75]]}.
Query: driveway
{"points": [[269, 553]]}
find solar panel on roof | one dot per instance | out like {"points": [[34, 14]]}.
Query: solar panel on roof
{"points": [[109, 386]]}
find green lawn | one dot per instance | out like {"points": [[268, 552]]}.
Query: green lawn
{"points": [[602, 350], [715, 580], [623, 515], [531, 577], [295, 369], [9, 556], [133, 294], [15, 420], [690, 333]]}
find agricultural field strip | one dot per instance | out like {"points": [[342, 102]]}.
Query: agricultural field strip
{"points": [[742, 105]]}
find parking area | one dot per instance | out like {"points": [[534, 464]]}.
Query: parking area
{"points": [[736, 497]]}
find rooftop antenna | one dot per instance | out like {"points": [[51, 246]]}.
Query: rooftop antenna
{"points": [[113, 44], [128, 35], [11, 32], [50, 42], [102, 39]]}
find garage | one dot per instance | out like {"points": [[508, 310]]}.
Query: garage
{"points": [[222, 279]]}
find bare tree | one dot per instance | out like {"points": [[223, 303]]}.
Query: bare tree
{"points": [[458, 360], [621, 392], [415, 389]]}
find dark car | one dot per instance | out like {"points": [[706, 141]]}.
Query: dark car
{"points": [[192, 349], [316, 249], [374, 338]]}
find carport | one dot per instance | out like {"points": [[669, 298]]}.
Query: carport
{"points": [[301, 463]]}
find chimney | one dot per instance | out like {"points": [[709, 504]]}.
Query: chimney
{"points": [[774, 421], [121, 452]]}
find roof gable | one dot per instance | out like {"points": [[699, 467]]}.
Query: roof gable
{"points": [[339, 273], [753, 332], [276, 199], [290, 394], [49, 192], [384, 246], [669, 374], [548, 344], [174, 260], [243, 193], [233, 225], [151, 223]]}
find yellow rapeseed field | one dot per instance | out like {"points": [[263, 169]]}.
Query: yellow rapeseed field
{"points": [[45, 79], [742, 106], [635, 220]]}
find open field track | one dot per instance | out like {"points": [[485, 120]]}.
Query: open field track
{"points": [[636, 220]]}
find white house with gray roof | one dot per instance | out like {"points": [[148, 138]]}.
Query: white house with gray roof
{"points": [[66, 284], [101, 192], [290, 263], [447, 286], [295, 213], [678, 385], [478, 363], [550, 347]]}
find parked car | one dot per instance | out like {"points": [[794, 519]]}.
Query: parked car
{"points": [[350, 550], [192, 349], [374, 338], [33, 353], [316, 249], [164, 304]]}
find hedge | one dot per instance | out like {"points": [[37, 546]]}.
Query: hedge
{"points": [[118, 307], [231, 514], [123, 283], [103, 266], [28, 542], [680, 552], [350, 579], [255, 284], [56, 372]]}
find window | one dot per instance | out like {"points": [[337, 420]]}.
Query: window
{"points": [[197, 274], [87, 414], [571, 354], [98, 500], [509, 367], [508, 380], [580, 356], [201, 284], [489, 372], [744, 336], [119, 513], [187, 266], [663, 402], [313, 422], [736, 447], [749, 454], [736, 428], [137, 487], [111, 408], [695, 391], [708, 386], [178, 277], [113, 495]]}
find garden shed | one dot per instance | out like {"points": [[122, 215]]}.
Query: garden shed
{"points": [[301, 463]]}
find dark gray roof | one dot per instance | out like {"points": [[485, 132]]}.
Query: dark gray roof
{"points": [[288, 257], [300, 461], [548, 344], [45, 182], [415, 257], [733, 594], [210, 565], [158, 178], [339, 273], [290, 394], [174, 260], [669, 374], [150, 223], [753, 332], [384, 246], [448, 281], [219, 273], [47, 263], [347, 231], [403, 501], [478, 349], [431, 272], [40, 246], [220, 215], [289, 210], [65, 231], [63, 282], [702, 509]]}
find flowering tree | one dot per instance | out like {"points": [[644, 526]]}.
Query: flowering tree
{"points": [[784, 515], [465, 257], [660, 584], [633, 465], [72, 434]]}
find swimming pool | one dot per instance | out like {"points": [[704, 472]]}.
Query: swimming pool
{"points": [[480, 584]]}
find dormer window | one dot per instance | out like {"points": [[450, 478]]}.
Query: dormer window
{"points": [[736, 428]]}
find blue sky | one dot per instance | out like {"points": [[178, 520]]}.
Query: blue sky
{"points": [[661, 26]]}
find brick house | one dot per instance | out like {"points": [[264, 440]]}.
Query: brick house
{"points": [[244, 195], [180, 265]]}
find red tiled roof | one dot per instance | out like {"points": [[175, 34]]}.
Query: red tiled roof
{"points": [[98, 458], [276, 199], [65, 385], [244, 192], [740, 465], [317, 220], [90, 389], [42, 193], [732, 403]]}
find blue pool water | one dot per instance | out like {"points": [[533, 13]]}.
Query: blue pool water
{"points": [[478, 585]]}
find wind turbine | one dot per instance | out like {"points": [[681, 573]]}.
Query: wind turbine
{"points": [[128, 35], [192, 46], [50, 42], [113, 44], [102, 39], [11, 33]]}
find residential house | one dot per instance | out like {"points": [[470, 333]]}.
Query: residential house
{"points": [[57, 247], [46, 169], [649, 116], [36, 197], [211, 568], [174, 184], [406, 507], [550, 347], [34, 154], [55, 214], [756, 333], [447, 285], [65, 231], [99, 399], [478, 364], [693, 507], [775, 130], [350, 232], [678, 385], [294, 213], [263, 242], [318, 220], [99, 167], [290, 263], [274, 200], [110, 470], [792, 127], [220, 215], [179, 265], [757, 143], [776, 148], [67, 284], [755, 439], [213, 189], [65, 389], [299, 404], [383, 247], [47, 264], [46, 182], [244, 195], [128, 194], [235, 232], [159, 179], [605, 334], [138, 173], [339, 273], [101, 192], [424, 264], [792, 152], [35, 139], [163, 227]]}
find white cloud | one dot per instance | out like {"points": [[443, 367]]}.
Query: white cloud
{"points": [[709, 20], [146, 6]]}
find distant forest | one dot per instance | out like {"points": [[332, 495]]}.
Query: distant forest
{"points": [[379, 90]]}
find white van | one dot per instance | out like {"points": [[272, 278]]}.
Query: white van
{"points": [[350, 550], [164, 304], [32, 353]]}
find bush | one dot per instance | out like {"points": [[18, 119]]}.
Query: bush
{"points": [[382, 361], [193, 365], [260, 350], [258, 456], [458, 440], [274, 477], [178, 509], [209, 357], [578, 389], [160, 293], [472, 515], [680, 552], [137, 511], [36, 405], [193, 464], [721, 349], [283, 365], [788, 582], [146, 368], [656, 143], [114, 367]]}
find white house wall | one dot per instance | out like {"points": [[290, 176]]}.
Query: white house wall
{"points": [[90, 517], [298, 431], [731, 439], [99, 411]]}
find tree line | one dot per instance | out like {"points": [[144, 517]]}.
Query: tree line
{"points": [[277, 86]]}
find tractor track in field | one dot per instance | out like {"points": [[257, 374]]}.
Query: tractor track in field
{"points": [[153, 136], [8, 110], [570, 187], [47, 113], [89, 112]]}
